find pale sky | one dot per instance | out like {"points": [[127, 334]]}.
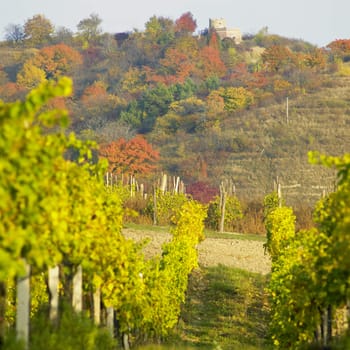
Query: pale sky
{"points": [[315, 21]]}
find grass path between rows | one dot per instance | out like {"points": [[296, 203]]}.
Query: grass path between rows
{"points": [[226, 308]]}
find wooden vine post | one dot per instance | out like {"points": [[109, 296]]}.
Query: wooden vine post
{"points": [[3, 302], [163, 186], [155, 205], [223, 196], [279, 194]]}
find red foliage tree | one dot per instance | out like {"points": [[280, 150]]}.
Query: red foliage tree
{"points": [[186, 23], [213, 41], [211, 62], [242, 76], [135, 156]]}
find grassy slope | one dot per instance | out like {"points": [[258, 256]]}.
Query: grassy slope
{"points": [[225, 309], [256, 146], [318, 122]]}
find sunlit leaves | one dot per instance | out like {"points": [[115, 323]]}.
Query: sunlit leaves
{"points": [[168, 278], [280, 228], [29, 162], [310, 271]]}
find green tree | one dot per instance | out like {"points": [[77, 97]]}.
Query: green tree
{"points": [[89, 29], [186, 115], [153, 104], [160, 30], [233, 212]]}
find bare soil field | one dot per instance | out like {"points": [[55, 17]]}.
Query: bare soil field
{"points": [[244, 254]]}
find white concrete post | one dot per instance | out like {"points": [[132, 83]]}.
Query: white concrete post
{"points": [[110, 320], [77, 300], [23, 306], [53, 288], [97, 306]]}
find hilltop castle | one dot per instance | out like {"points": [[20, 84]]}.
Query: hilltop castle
{"points": [[220, 27]]}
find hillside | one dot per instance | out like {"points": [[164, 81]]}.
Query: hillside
{"points": [[213, 108], [256, 147]]}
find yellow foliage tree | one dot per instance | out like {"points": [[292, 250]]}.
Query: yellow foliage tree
{"points": [[236, 98], [30, 76]]}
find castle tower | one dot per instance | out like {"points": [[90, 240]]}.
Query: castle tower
{"points": [[220, 27]]}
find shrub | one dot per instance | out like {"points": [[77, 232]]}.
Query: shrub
{"points": [[233, 213], [167, 205]]}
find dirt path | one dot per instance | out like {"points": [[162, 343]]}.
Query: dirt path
{"points": [[244, 254]]}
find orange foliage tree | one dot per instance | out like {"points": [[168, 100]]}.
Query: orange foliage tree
{"points": [[340, 48], [176, 67], [251, 80], [178, 63], [316, 59], [134, 156], [11, 92], [94, 94], [277, 57], [57, 60]]}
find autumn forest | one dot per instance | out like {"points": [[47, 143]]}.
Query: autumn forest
{"points": [[178, 99]]}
